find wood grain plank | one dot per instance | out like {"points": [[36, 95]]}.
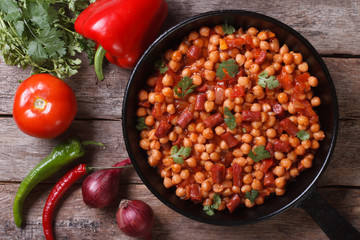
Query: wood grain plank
{"points": [[104, 100], [19, 153], [73, 220]]}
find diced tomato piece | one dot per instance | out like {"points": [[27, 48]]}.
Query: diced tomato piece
{"points": [[239, 91], [226, 158], [308, 110], [194, 52], [218, 173], [158, 85], [237, 174], [251, 116], [158, 110], [230, 140], [278, 110], [144, 103], [269, 180], [261, 58], [266, 164], [270, 148], [285, 80], [281, 146], [195, 194], [233, 203], [219, 95], [235, 42], [185, 118], [202, 88], [175, 76], [163, 129], [213, 120], [181, 104], [289, 127], [300, 167], [301, 81]]}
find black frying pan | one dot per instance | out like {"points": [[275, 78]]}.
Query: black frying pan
{"points": [[302, 191]]}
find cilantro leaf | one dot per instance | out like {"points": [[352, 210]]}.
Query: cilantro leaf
{"points": [[160, 65], [244, 130], [177, 154], [261, 153], [230, 120], [209, 209], [11, 9], [252, 195], [186, 85], [303, 135], [266, 81], [230, 66], [228, 29], [141, 124]]}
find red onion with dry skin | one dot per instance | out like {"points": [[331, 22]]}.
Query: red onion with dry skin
{"points": [[135, 218], [101, 188]]}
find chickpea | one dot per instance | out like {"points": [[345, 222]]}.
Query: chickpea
{"points": [[219, 30], [313, 81], [315, 144], [199, 177], [294, 142], [240, 59], [255, 132], [282, 98], [248, 178], [141, 112], [271, 133], [173, 136], [180, 192], [209, 75], [274, 45], [200, 127], [217, 188], [142, 95], [224, 56], [193, 36], [306, 144], [279, 191], [167, 182], [206, 185], [280, 182], [145, 144], [208, 133], [247, 138], [256, 184], [303, 67], [285, 163], [223, 145], [315, 101], [199, 42], [260, 140], [201, 139], [306, 162], [191, 162], [245, 188], [254, 68], [320, 135], [249, 204], [252, 31], [279, 171], [174, 65], [258, 174], [197, 80], [208, 165], [315, 127], [292, 156], [185, 174], [284, 49], [199, 147], [244, 81], [264, 45], [204, 31], [245, 148], [294, 172], [248, 63], [186, 72], [176, 179], [297, 58], [214, 56]]}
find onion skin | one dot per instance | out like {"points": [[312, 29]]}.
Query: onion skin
{"points": [[101, 188], [136, 219]]}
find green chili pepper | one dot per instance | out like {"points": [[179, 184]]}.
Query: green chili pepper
{"points": [[60, 156]]}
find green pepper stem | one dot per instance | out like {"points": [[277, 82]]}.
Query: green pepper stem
{"points": [[102, 168], [85, 143], [98, 62]]}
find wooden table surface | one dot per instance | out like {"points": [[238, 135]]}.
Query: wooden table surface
{"points": [[333, 27]]}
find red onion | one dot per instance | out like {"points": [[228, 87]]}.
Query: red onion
{"points": [[135, 218], [101, 187]]}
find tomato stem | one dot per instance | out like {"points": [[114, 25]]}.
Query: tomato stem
{"points": [[39, 103]]}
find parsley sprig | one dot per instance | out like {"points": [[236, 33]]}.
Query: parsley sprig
{"points": [[266, 81], [260, 152], [176, 153], [228, 29], [141, 124], [160, 66], [186, 85], [230, 120], [252, 195], [209, 209], [230, 66], [41, 34], [303, 135]]}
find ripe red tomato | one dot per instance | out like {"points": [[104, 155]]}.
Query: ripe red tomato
{"points": [[44, 106]]}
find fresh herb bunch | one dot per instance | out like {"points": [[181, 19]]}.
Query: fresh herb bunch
{"points": [[41, 34]]}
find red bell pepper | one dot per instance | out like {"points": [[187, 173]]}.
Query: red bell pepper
{"points": [[122, 29]]}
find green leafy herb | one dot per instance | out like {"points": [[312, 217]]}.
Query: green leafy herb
{"points": [[230, 66], [186, 85], [209, 210], [244, 130], [230, 120], [176, 153], [228, 29], [41, 35], [266, 81], [303, 135], [160, 65], [252, 195], [141, 124], [260, 152]]}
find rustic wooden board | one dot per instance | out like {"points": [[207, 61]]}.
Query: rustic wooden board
{"points": [[24, 152], [75, 221]]}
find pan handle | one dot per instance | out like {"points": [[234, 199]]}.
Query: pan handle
{"points": [[329, 220]]}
